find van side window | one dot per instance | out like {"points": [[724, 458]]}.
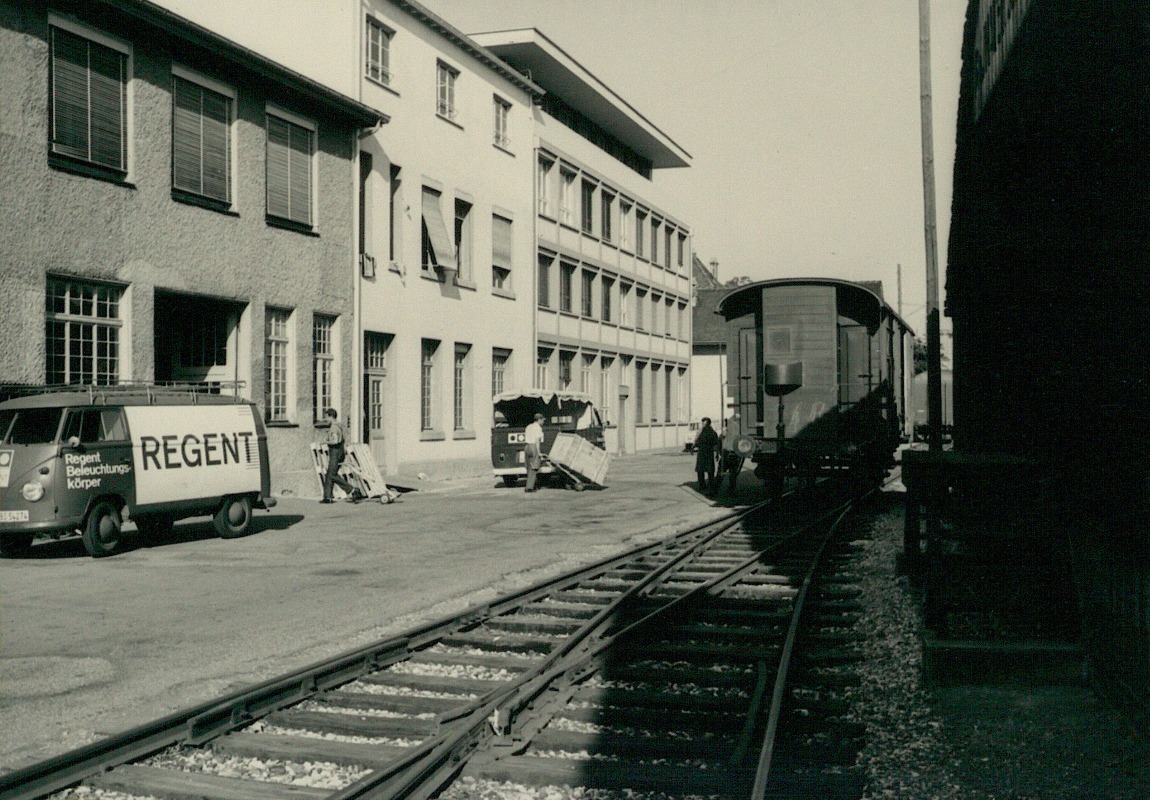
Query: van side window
{"points": [[112, 425], [92, 425], [34, 426]]}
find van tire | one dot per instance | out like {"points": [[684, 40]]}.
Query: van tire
{"points": [[233, 516], [14, 545], [101, 533]]}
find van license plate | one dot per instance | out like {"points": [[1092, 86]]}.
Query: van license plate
{"points": [[13, 516]]}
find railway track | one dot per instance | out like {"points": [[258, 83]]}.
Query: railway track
{"points": [[674, 669]]}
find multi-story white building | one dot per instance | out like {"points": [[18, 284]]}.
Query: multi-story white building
{"points": [[446, 296], [613, 261]]}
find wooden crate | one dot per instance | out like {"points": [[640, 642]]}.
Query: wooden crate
{"points": [[581, 457]]}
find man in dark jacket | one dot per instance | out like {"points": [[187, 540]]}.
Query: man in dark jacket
{"points": [[707, 447]]}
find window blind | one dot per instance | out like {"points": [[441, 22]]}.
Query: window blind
{"points": [[441, 245], [501, 242], [201, 141], [289, 171], [89, 100]]}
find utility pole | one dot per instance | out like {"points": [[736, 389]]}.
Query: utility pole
{"points": [[933, 338]]}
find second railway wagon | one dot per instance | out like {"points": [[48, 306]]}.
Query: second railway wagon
{"points": [[835, 359]]}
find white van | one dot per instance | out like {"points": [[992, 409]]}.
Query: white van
{"points": [[79, 459]]}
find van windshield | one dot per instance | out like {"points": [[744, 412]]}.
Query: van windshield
{"points": [[30, 425]]}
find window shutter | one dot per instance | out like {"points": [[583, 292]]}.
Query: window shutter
{"points": [[278, 168], [69, 94], [186, 173], [300, 173], [109, 106], [501, 242], [217, 144]]}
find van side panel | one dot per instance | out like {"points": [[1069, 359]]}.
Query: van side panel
{"points": [[193, 452]]}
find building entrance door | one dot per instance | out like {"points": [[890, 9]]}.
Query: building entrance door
{"points": [[376, 395]]}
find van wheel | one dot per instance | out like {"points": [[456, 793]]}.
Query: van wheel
{"points": [[102, 530], [13, 545], [510, 480], [233, 517], [156, 527]]}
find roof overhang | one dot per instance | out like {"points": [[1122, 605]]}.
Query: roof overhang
{"points": [[363, 115], [532, 53]]}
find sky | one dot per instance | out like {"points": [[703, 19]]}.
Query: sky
{"points": [[802, 118]]}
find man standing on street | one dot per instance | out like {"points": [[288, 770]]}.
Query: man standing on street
{"points": [[706, 451], [533, 450], [335, 453]]}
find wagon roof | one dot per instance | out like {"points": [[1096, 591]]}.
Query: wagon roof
{"points": [[741, 292]]}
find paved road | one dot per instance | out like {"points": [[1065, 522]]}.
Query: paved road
{"points": [[90, 647]]}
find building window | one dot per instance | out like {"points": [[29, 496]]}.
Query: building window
{"points": [[625, 222], [640, 302], [463, 238], [542, 363], [588, 298], [89, 85], [501, 249], [83, 332], [667, 237], [585, 374], [461, 387], [445, 90], [544, 282], [377, 59], [277, 365], [500, 361], [669, 310], [640, 232], [543, 187], [607, 208], [290, 149], [608, 288], [501, 134], [682, 251], [655, 224], [605, 401], [436, 243], [640, 413], [566, 196], [427, 385], [201, 140], [588, 207], [667, 393], [565, 359], [566, 287], [624, 304], [395, 217], [323, 365]]}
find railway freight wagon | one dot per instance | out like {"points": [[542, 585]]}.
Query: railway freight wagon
{"points": [[820, 373]]}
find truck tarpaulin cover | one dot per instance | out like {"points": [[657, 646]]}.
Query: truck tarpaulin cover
{"points": [[518, 409], [187, 452]]}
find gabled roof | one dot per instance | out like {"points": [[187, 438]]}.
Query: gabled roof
{"points": [[560, 75]]}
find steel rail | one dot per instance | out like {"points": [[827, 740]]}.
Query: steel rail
{"points": [[205, 721], [426, 763], [762, 772], [425, 771]]}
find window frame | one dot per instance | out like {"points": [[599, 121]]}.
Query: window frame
{"points": [[294, 121], [501, 132], [278, 348], [587, 293], [464, 239], [462, 391], [606, 210], [543, 281], [428, 407], [566, 287], [502, 263], [446, 80], [93, 324], [57, 150], [206, 84], [382, 64], [325, 362]]}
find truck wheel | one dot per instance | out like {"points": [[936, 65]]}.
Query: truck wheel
{"points": [[102, 530], [13, 545], [233, 517], [510, 480], [158, 526]]}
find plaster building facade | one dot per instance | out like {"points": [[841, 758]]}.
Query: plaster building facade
{"points": [[613, 282], [179, 209]]}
